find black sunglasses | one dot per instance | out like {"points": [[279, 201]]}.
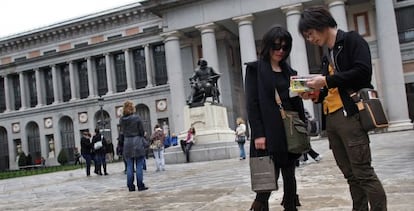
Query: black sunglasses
{"points": [[277, 47]]}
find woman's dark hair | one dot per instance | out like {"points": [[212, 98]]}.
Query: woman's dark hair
{"points": [[273, 34], [317, 18]]}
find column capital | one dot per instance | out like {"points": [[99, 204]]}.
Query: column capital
{"points": [[172, 35], [208, 27], [125, 50], [146, 45], [332, 3], [69, 62], [244, 18], [87, 58], [36, 69], [292, 9], [106, 54]]}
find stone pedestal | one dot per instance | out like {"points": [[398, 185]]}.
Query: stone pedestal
{"points": [[214, 139], [210, 122]]}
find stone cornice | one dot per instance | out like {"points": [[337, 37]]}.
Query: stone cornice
{"points": [[74, 28]]}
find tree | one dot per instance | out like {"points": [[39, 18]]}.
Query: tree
{"points": [[22, 159], [62, 157]]}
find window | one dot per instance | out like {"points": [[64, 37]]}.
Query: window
{"points": [[405, 23], [20, 59], [16, 91], [65, 79], [49, 52], [83, 79], [120, 72], [114, 37], [101, 76], [80, 45], [31, 82], [160, 65], [362, 24], [140, 68], [2, 96], [48, 86]]}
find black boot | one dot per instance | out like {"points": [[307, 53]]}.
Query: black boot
{"points": [[259, 206], [297, 203]]}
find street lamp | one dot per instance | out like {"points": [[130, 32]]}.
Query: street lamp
{"points": [[101, 104]]}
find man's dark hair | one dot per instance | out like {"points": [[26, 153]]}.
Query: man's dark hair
{"points": [[317, 18], [275, 33]]}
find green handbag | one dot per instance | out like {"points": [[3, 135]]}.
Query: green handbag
{"points": [[297, 139], [296, 130]]}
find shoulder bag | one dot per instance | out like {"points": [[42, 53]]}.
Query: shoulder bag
{"points": [[296, 130], [371, 113]]}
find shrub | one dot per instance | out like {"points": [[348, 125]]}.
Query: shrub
{"points": [[22, 159], [62, 157]]}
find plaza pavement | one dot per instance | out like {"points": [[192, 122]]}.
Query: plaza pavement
{"points": [[222, 185]]}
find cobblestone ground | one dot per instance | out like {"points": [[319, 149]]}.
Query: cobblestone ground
{"points": [[214, 185]]}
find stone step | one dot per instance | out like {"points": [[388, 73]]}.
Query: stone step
{"points": [[204, 152]]}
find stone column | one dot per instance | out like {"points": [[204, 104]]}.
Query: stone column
{"points": [[55, 85], [128, 69], [108, 68], [7, 93], [298, 55], [73, 81], [208, 41], [176, 82], [337, 9], [246, 39], [23, 91], [91, 82], [40, 93], [389, 53], [148, 66]]}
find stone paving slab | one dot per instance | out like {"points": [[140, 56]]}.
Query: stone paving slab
{"points": [[214, 185]]}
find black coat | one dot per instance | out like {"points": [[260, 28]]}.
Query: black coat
{"points": [[98, 137], [353, 68], [86, 146], [263, 112]]}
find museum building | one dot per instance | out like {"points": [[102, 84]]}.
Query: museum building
{"points": [[60, 80]]}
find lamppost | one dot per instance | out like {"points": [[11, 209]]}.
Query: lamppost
{"points": [[101, 104]]}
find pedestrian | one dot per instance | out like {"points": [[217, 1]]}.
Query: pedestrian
{"points": [[271, 74], [157, 145], [188, 143], [346, 68], [77, 156], [86, 151], [100, 152], [241, 136], [134, 146], [110, 151], [120, 149]]}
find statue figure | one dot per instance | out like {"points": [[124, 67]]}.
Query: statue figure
{"points": [[203, 84]]}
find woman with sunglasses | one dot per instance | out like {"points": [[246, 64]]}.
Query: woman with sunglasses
{"points": [[263, 77]]}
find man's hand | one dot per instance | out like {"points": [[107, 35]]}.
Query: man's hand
{"points": [[260, 143], [316, 82]]}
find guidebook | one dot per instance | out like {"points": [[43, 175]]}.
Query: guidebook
{"points": [[298, 83]]}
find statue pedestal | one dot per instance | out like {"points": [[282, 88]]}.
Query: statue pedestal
{"points": [[214, 139], [210, 122]]}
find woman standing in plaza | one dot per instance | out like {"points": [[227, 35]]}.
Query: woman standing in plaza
{"points": [[271, 74], [134, 145], [241, 136]]}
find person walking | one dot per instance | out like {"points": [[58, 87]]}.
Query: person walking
{"points": [[271, 74], [157, 143], [346, 68], [241, 136], [188, 143], [86, 151], [134, 145], [100, 152]]}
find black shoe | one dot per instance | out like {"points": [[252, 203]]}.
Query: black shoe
{"points": [[143, 188], [106, 174], [131, 189]]}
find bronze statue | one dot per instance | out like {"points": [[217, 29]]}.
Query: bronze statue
{"points": [[203, 84]]}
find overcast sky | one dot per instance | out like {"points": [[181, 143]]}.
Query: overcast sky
{"points": [[18, 16]]}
